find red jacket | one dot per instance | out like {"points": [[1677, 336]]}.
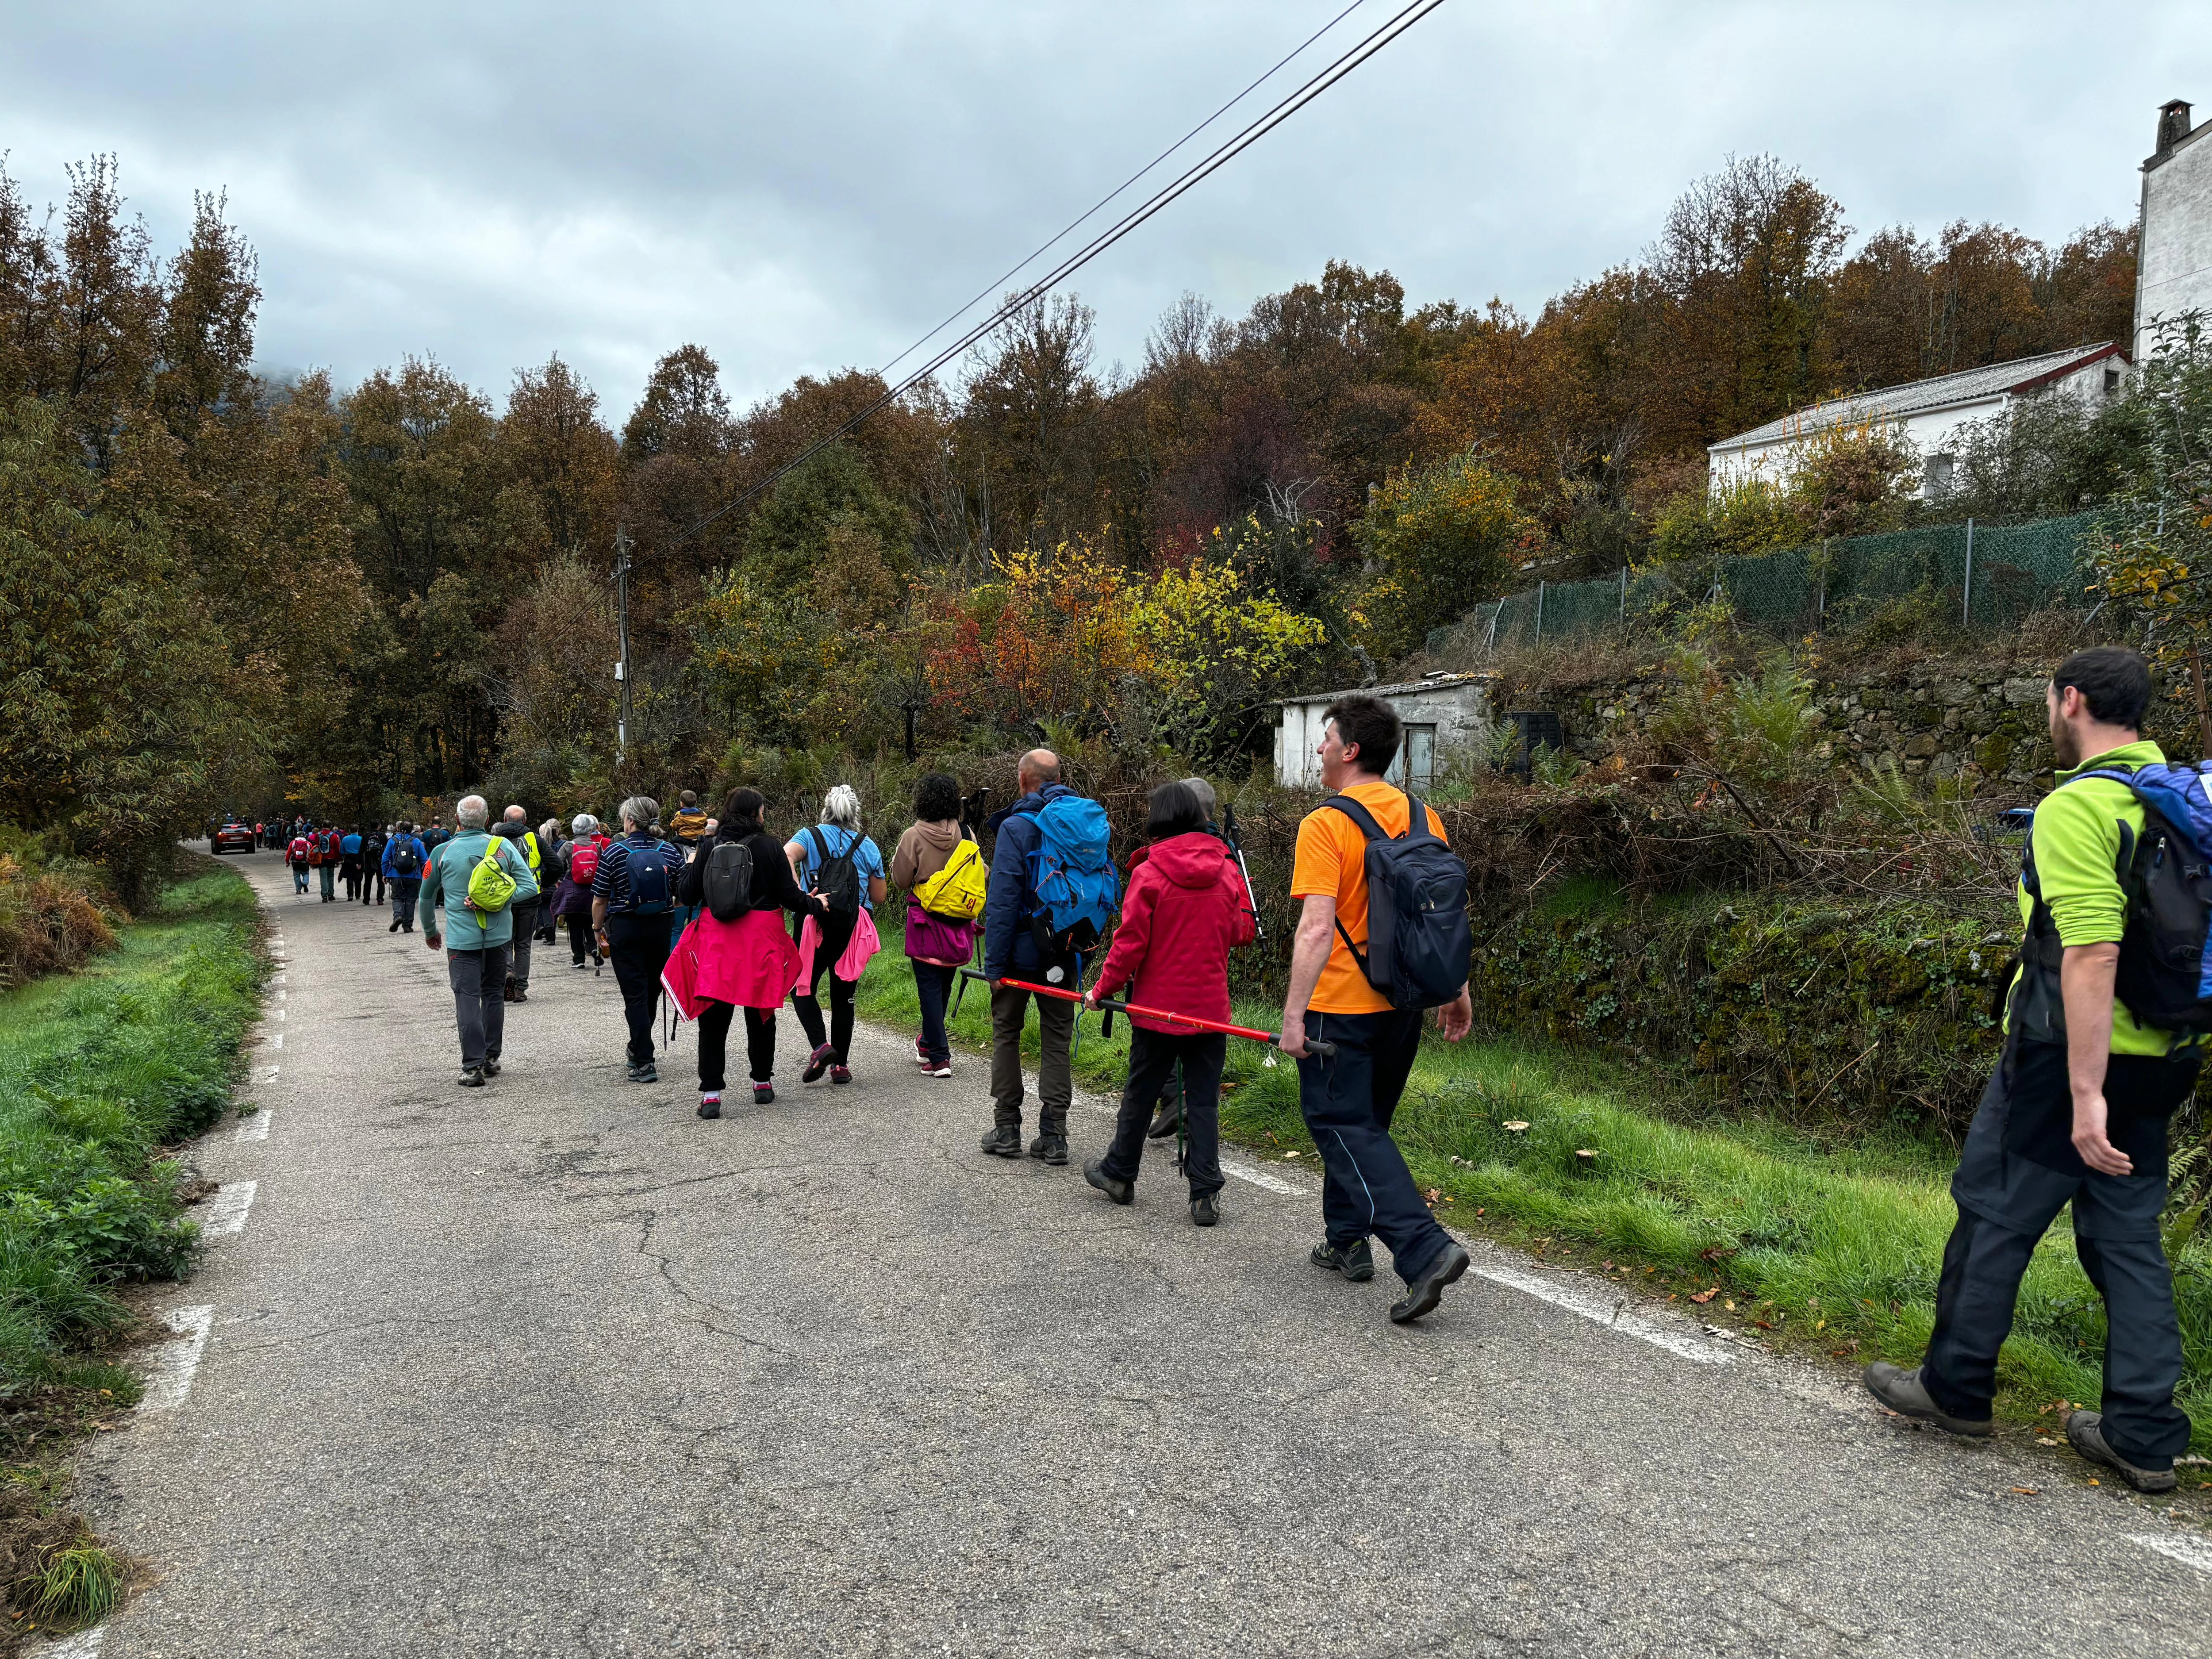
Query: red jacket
{"points": [[1183, 913]]}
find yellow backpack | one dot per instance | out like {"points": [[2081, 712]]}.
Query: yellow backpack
{"points": [[956, 892], [490, 888]]}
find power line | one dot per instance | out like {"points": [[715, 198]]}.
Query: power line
{"points": [[1228, 151], [997, 284]]}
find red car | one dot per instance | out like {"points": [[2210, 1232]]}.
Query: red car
{"points": [[232, 838]]}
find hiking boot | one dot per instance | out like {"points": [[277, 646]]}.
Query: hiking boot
{"points": [[393, 928], [764, 1093], [491, 1068], [1422, 1296], [1204, 1212], [1355, 1260], [841, 1074], [579, 963], [1121, 1191], [2085, 1430], [1004, 1140], [473, 1077], [944, 1070], [644, 1074], [817, 1062], [521, 995], [710, 1105], [507, 991], [1165, 1122], [1904, 1393], [1049, 1147]]}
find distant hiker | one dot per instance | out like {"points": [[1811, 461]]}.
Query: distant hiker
{"points": [[1050, 832], [688, 822], [834, 860], [350, 863], [515, 826], [2076, 1110], [477, 876], [300, 853], [633, 895], [404, 855], [1168, 1116], [435, 837], [550, 843], [1184, 913], [572, 897], [1352, 944], [372, 865], [944, 878], [324, 857], [736, 954]]}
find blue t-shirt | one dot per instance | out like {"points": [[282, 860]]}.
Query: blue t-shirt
{"points": [[350, 845], [866, 863]]}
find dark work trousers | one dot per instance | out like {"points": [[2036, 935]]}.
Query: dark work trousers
{"points": [[932, 989], [404, 889], [714, 1044], [638, 946], [479, 978], [372, 884], [1154, 1056], [1056, 1078], [2017, 1170], [526, 929], [580, 934], [835, 936], [349, 873], [1347, 1102]]}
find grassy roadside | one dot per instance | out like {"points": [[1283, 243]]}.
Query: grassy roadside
{"points": [[99, 1071], [1829, 1251]]}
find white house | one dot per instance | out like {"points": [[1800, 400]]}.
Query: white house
{"points": [[1440, 711], [2173, 264], [1927, 414]]}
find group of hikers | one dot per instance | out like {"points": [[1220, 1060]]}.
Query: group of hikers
{"points": [[2105, 1019]]}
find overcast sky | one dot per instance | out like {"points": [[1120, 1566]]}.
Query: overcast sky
{"points": [[801, 187]]}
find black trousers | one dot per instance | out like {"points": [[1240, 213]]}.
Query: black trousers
{"points": [[836, 937], [372, 883], [1153, 1057], [1347, 1104], [580, 934], [714, 1045], [638, 946], [932, 989], [2017, 1170]]}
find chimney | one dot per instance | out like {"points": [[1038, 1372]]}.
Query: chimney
{"points": [[2172, 126]]}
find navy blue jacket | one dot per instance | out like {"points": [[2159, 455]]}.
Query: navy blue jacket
{"points": [[1009, 946]]}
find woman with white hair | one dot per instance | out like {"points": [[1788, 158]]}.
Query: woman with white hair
{"points": [[549, 839], [578, 861], [834, 860]]}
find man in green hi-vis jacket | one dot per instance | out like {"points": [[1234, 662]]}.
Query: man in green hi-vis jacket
{"points": [[2076, 1112]]}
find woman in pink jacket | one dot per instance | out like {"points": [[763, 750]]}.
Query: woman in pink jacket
{"points": [[748, 963], [1184, 912]]}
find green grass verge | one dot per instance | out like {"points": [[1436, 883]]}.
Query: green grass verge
{"points": [[98, 1071], [1834, 1249]]}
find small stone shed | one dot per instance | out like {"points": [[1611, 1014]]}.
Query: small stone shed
{"points": [[1441, 711]]}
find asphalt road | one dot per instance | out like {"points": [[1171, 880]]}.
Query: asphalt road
{"points": [[556, 1368]]}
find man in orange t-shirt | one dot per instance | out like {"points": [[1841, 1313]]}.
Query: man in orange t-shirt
{"points": [[1349, 1099]]}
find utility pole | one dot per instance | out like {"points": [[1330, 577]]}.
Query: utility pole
{"points": [[622, 623]]}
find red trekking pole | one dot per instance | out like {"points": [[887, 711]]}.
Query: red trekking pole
{"points": [[1325, 1050]]}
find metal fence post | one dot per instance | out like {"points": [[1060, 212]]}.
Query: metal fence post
{"points": [[1540, 613], [1966, 599], [1490, 640]]}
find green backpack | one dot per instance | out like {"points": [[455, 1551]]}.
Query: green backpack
{"points": [[490, 888]]}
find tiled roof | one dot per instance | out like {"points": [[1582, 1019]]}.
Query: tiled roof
{"points": [[1404, 687], [1967, 385]]}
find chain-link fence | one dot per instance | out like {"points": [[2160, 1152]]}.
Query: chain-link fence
{"points": [[1984, 577]]}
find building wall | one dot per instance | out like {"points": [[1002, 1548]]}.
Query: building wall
{"points": [[1460, 712], [2176, 271]]}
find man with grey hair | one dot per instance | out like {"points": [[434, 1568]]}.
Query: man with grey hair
{"points": [[515, 826], [475, 940], [633, 902]]}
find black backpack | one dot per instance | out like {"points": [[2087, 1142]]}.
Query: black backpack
{"points": [[405, 860], [836, 881], [652, 872], [727, 883], [1418, 943]]}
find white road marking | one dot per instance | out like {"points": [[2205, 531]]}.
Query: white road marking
{"points": [[255, 1128], [2190, 1552], [1262, 1178], [281, 995], [273, 1070], [226, 1212], [85, 1644], [280, 1013], [176, 1363], [279, 979], [1605, 1310], [274, 1041]]}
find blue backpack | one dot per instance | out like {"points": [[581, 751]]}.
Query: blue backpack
{"points": [[2166, 953], [652, 872], [1075, 888]]}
